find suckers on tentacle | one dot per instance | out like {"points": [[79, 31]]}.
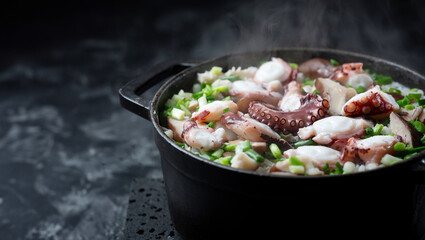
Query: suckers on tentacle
{"points": [[312, 108]]}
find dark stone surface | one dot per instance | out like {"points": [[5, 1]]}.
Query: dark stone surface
{"points": [[147, 214], [68, 151]]}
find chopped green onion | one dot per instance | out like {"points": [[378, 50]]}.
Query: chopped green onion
{"points": [[349, 167], [315, 92], [197, 95], [177, 114], [226, 110], [295, 161], [418, 125], [367, 70], [377, 129], [275, 151], [326, 168], [409, 155], [297, 169], [279, 160], [403, 102], [394, 90], [360, 89], [338, 169], [210, 99], [220, 89], [293, 65], [232, 78], [369, 131], [334, 62], [179, 143], [216, 70], [423, 140], [243, 146], [229, 147], [207, 90], [254, 155], [217, 153], [409, 107], [307, 142], [399, 147], [388, 160], [421, 102], [211, 124], [416, 96], [224, 160], [382, 79]]}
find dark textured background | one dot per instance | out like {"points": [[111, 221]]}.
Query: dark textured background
{"points": [[68, 151]]}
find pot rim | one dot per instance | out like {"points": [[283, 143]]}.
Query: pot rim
{"points": [[178, 76]]}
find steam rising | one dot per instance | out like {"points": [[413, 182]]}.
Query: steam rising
{"points": [[371, 27]]}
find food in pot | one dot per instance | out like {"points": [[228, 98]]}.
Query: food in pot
{"points": [[315, 118]]}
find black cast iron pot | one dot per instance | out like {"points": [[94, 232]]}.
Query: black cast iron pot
{"points": [[211, 201]]}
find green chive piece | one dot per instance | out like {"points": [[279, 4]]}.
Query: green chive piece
{"points": [[254, 155], [179, 143], [409, 107], [226, 110], [394, 90], [217, 153], [220, 89], [295, 161], [293, 65], [416, 96], [216, 70], [410, 155], [326, 168], [421, 102], [307, 142], [418, 125], [243, 146], [211, 124], [334, 62], [382, 79], [229, 147], [403, 102], [377, 129], [399, 147], [232, 78], [369, 131], [224, 160], [338, 169], [275, 151], [360, 89]]}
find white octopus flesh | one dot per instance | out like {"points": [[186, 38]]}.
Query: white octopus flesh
{"points": [[326, 130]]}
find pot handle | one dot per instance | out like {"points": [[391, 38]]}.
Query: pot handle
{"points": [[130, 93]]}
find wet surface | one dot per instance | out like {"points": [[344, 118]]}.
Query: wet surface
{"points": [[68, 151]]}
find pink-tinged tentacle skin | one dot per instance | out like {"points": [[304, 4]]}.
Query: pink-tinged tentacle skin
{"points": [[312, 108], [373, 102]]}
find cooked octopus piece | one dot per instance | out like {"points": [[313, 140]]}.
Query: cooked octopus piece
{"points": [[369, 150], [373, 102], [335, 93], [326, 130]]}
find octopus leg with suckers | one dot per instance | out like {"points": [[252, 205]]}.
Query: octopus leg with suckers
{"points": [[312, 108]]}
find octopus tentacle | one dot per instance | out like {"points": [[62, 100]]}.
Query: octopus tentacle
{"points": [[312, 108]]}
